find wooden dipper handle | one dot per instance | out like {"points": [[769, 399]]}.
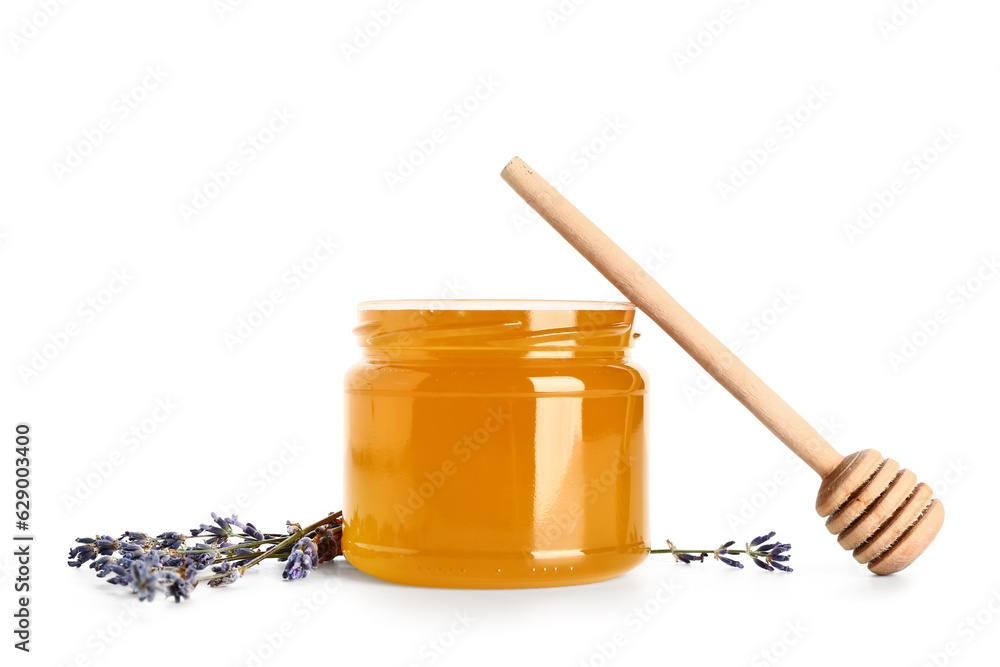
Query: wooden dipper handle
{"points": [[877, 510], [635, 283]]}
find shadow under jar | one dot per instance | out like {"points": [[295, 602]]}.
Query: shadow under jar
{"points": [[495, 444]]}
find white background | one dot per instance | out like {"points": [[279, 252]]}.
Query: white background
{"points": [[672, 132]]}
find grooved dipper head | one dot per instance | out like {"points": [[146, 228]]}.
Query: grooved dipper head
{"points": [[879, 511]]}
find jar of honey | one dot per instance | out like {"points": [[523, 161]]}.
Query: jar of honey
{"points": [[495, 444]]}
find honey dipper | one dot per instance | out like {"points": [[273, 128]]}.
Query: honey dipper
{"points": [[877, 510]]}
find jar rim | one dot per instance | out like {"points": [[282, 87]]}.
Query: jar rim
{"points": [[493, 304]]}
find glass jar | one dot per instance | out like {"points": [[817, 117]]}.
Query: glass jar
{"points": [[495, 444]]}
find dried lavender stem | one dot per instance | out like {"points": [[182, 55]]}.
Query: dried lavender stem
{"points": [[770, 557], [277, 552], [705, 551], [294, 537], [241, 545], [162, 564]]}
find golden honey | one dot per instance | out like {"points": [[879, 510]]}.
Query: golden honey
{"points": [[495, 444]]}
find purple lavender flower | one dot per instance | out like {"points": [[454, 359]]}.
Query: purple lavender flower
{"points": [[777, 550], [247, 528], [760, 540], [131, 549], [180, 582], [691, 558], [202, 560], [112, 568], [145, 578], [218, 532], [730, 562], [724, 549], [108, 565], [121, 578], [302, 559], [778, 555], [769, 556], [90, 548], [167, 564], [126, 556], [106, 545], [248, 553], [169, 540], [102, 561], [198, 560], [232, 574], [687, 559]]}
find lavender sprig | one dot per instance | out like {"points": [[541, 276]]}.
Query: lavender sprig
{"points": [[770, 557], [303, 559], [220, 554]]}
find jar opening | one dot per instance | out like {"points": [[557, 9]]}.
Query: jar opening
{"points": [[494, 304], [495, 328]]}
